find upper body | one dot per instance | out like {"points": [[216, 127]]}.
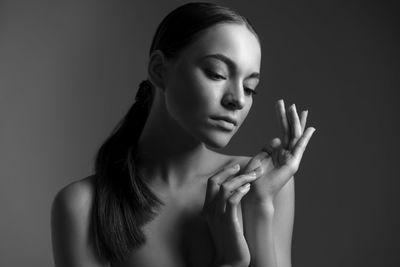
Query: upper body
{"points": [[176, 237], [204, 66]]}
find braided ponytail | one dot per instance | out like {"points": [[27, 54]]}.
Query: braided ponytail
{"points": [[123, 203]]}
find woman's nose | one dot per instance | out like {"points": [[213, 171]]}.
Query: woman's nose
{"points": [[234, 98]]}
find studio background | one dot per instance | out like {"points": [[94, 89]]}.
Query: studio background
{"points": [[69, 71]]}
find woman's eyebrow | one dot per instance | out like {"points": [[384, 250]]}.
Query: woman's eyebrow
{"points": [[230, 63]]}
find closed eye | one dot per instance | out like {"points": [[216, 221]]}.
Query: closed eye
{"points": [[215, 76], [250, 91]]}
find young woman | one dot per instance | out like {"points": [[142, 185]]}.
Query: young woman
{"points": [[159, 195]]}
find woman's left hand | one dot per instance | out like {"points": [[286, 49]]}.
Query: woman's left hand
{"points": [[280, 160]]}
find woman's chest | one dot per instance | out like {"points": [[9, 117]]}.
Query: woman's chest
{"points": [[178, 236]]}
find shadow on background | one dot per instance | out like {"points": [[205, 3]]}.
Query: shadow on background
{"points": [[69, 71]]}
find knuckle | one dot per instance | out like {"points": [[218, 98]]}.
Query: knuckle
{"points": [[231, 168], [240, 179], [225, 188], [261, 170]]}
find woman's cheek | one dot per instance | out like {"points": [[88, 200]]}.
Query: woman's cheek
{"points": [[182, 101], [202, 91]]}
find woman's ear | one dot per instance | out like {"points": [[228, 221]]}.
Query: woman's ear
{"points": [[156, 69]]}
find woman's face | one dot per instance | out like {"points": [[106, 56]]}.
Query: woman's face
{"points": [[214, 78]]}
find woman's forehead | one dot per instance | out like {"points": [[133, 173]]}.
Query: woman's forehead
{"points": [[234, 41]]}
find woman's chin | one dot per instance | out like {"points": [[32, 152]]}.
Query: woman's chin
{"points": [[217, 140]]}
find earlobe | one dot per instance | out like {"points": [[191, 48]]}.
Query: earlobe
{"points": [[156, 69]]}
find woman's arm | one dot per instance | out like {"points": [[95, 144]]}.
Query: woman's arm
{"points": [[70, 227], [283, 224], [268, 229], [268, 209]]}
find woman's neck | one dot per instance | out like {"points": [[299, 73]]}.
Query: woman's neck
{"points": [[166, 152]]}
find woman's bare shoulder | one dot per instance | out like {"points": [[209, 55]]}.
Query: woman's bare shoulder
{"points": [[70, 222], [71, 207], [76, 196]]}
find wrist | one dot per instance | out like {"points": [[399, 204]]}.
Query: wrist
{"points": [[262, 208]]}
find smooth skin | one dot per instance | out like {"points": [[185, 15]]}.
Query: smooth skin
{"points": [[221, 212], [275, 166], [231, 224], [271, 169]]}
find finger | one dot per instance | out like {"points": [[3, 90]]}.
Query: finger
{"points": [[217, 179], [303, 120], [272, 146], [275, 145], [254, 162], [266, 164], [236, 182], [302, 143], [295, 126], [283, 122], [227, 188], [234, 200]]}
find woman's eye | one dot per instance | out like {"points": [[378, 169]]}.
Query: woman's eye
{"points": [[215, 76], [250, 91]]}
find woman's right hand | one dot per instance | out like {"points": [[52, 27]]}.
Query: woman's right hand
{"points": [[224, 192]]}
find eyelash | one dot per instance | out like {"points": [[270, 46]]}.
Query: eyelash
{"points": [[216, 76]]}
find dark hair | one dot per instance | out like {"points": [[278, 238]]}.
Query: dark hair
{"points": [[123, 203]]}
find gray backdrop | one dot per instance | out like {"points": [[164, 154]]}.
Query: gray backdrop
{"points": [[69, 71]]}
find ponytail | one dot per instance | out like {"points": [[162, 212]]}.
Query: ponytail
{"points": [[123, 202]]}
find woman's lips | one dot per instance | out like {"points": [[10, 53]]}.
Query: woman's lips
{"points": [[224, 125]]}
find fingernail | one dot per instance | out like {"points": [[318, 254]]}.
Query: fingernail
{"points": [[245, 187], [252, 174], [236, 167], [294, 107]]}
